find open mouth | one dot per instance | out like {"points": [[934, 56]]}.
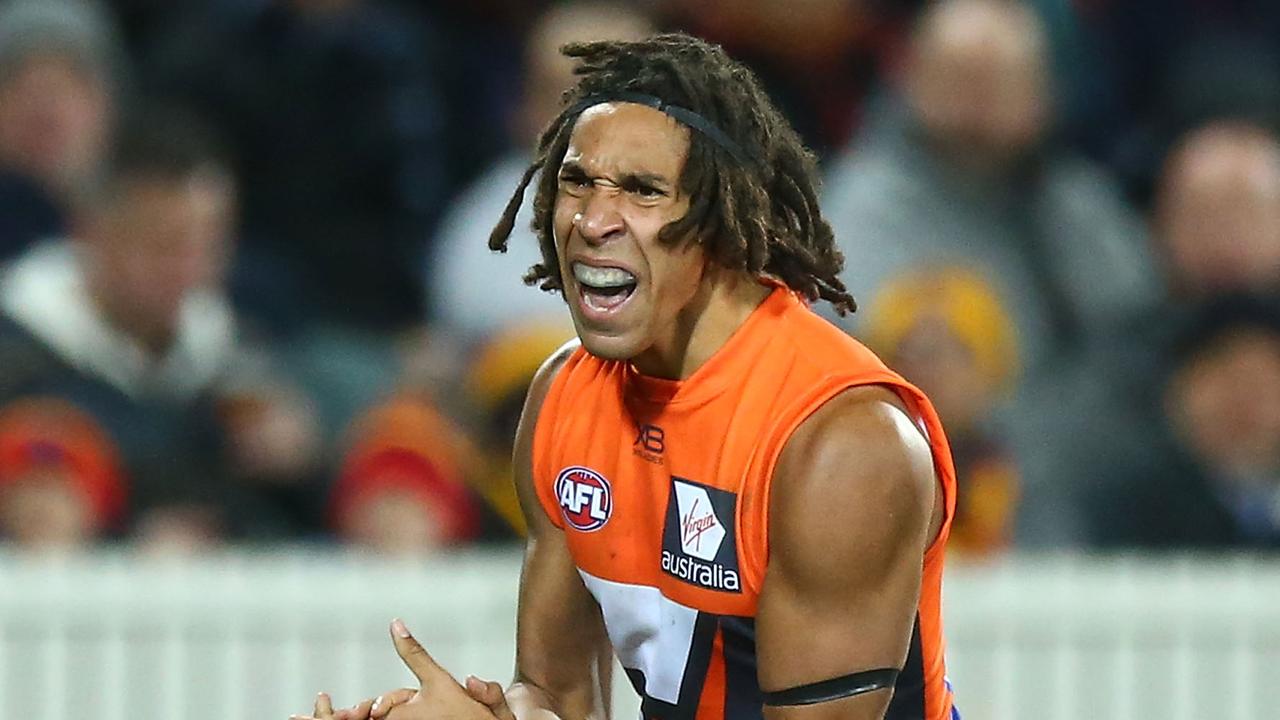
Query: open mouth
{"points": [[604, 289]]}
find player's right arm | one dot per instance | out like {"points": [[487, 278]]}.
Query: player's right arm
{"points": [[562, 651]]}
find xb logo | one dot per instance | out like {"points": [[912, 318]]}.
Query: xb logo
{"points": [[650, 438]]}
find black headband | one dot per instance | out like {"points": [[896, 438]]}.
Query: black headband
{"points": [[681, 114]]}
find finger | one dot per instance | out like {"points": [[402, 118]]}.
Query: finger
{"points": [[415, 657], [484, 692], [384, 703], [359, 711], [324, 707], [491, 695]]}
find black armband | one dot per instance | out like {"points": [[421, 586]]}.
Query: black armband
{"points": [[834, 689]]}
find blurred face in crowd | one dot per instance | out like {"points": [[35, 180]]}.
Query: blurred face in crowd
{"points": [[54, 121], [1226, 402], [618, 187], [152, 242], [1218, 213], [976, 80], [397, 523], [548, 72], [46, 510], [933, 357]]}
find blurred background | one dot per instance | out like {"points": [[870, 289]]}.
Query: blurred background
{"points": [[255, 353]]}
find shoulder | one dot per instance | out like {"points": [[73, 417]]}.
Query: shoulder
{"points": [[526, 457], [547, 373], [819, 342], [857, 474], [864, 435], [539, 390]]}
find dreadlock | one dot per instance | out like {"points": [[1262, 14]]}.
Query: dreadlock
{"points": [[760, 216]]}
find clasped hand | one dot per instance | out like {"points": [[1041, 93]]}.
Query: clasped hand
{"points": [[437, 697]]}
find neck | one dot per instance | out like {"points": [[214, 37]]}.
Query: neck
{"points": [[156, 340], [720, 307]]}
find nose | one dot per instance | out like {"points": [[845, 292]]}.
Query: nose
{"points": [[599, 221]]}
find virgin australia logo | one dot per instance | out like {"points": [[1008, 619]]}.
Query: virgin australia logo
{"points": [[700, 530], [694, 547]]}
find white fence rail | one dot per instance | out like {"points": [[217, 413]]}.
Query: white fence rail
{"points": [[254, 636], [1129, 639]]}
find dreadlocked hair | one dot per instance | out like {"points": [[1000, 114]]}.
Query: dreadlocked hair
{"points": [[760, 217]]}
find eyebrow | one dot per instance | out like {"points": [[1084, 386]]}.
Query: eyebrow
{"points": [[627, 178]]}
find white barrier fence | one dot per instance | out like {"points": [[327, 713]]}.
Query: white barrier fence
{"points": [[1123, 639], [252, 636]]}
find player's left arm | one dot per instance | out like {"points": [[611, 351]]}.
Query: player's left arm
{"points": [[854, 505]]}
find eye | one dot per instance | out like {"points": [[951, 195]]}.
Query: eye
{"points": [[574, 181], [642, 190]]}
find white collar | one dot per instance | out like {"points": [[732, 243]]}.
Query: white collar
{"points": [[44, 291]]}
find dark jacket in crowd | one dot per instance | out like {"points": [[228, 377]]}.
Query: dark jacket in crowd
{"points": [[78, 394]]}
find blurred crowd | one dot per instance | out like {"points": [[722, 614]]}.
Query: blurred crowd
{"points": [[246, 296]]}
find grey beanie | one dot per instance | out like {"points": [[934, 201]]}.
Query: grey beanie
{"points": [[79, 29]]}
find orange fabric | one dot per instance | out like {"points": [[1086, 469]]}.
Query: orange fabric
{"points": [[41, 433], [665, 449]]}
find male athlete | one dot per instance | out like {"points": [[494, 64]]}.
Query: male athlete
{"points": [[740, 500]]}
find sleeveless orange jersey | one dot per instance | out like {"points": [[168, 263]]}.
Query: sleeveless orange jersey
{"points": [[662, 490]]}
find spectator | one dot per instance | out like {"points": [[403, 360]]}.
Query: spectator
{"points": [[61, 481], [474, 291], [1216, 225], [121, 367], [59, 67], [1204, 470], [402, 487], [1217, 212], [1217, 232], [945, 331], [958, 166], [430, 465]]}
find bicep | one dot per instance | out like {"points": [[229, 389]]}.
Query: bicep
{"points": [[561, 645], [850, 520]]}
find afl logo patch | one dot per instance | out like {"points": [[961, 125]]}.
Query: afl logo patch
{"points": [[585, 498]]}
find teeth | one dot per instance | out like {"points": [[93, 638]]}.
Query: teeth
{"points": [[602, 277]]}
